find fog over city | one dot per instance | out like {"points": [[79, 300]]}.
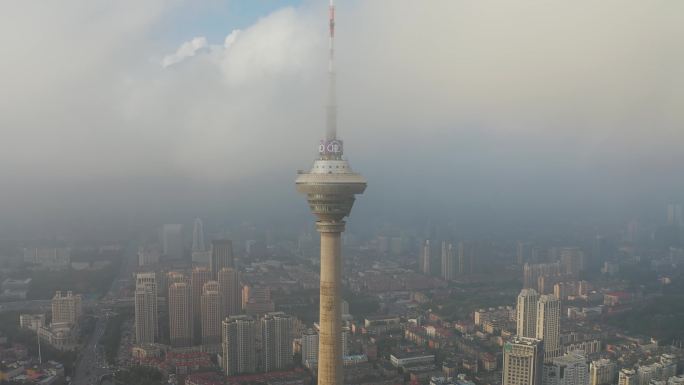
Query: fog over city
{"points": [[512, 110]]}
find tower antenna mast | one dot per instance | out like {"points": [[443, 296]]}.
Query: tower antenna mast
{"points": [[331, 113]]}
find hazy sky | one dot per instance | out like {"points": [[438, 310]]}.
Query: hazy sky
{"points": [[170, 108]]}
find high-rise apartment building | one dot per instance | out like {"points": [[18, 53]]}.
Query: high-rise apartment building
{"points": [[146, 315], [548, 325], [602, 372], [199, 277], [526, 313], [276, 341], [466, 257], [66, 308], [569, 369], [211, 315], [627, 377], [522, 361], [180, 314], [231, 294], [172, 241], [572, 261], [448, 262], [239, 345], [674, 214], [198, 236], [425, 256], [309, 347], [221, 256]]}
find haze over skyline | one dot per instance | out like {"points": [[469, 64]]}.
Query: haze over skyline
{"points": [[548, 109]]}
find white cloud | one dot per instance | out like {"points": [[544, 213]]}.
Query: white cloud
{"points": [[186, 50], [498, 86], [230, 39]]}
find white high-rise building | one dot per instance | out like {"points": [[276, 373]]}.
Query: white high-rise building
{"points": [[548, 325], [309, 347], [526, 313], [425, 257], [172, 241], [276, 341], [231, 293], [448, 262], [569, 369], [200, 275], [180, 314], [345, 341], [602, 372], [66, 308], [522, 361], [198, 236], [239, 345], [211, 316], [146, 315]]}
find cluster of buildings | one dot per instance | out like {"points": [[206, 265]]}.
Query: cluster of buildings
{"points": [[17, 366], [63, 330], [213, 314]]}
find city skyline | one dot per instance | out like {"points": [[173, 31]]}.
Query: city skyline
{"points": [[161, 222]]}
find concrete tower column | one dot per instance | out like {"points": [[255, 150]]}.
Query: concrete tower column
{"points": [[329, 341]]}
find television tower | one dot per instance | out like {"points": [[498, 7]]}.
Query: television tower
{"points": [[330, 187]]}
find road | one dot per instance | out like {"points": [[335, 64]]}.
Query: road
{"points": [[92, 366]]}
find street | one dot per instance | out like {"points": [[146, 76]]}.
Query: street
{"points": [[92, 365]]}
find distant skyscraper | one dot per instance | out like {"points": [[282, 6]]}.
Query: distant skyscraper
{"points": [[172, 241], [532, 272], [599, 252], [66, 308], [466, 257], [200, 276], [674, 214], [180, 315], [231, 294], [523, 252], [425, 256], [309, 347], [276, 341], [526, 313], [548, 325], [146, 316], [602, 372], [198, 236], [221, 256], [448, 262], [572, 259], [239, 345], [211, 315], [522, 361], [569, 369]]}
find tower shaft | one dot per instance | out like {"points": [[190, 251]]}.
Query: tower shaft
{"points": [[329, 342]]}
